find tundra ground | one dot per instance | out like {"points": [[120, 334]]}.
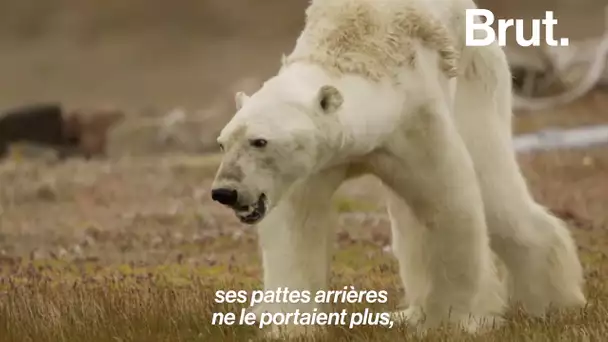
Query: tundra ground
{"points": [[132, 248]]}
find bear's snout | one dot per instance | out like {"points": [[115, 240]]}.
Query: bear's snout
{"points": [[228, 197]]}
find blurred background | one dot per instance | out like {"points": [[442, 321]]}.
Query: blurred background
{"points": [[153, 56]]}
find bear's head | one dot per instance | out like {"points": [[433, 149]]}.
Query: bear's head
{"points": [[277, 137]]}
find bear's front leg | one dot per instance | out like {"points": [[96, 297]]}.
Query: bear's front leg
{"points": [[296, 244], [446, 256]]}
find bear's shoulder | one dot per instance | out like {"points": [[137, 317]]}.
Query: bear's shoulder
{"points": [[371, 38]]}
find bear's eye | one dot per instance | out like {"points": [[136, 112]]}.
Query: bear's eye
{"points": [[259, 143], [324, 103]]}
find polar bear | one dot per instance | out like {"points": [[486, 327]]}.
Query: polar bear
{"points": [[387, 87]]}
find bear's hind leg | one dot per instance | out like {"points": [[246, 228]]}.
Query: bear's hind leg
{"points": [[536, 247], [540, 254]]}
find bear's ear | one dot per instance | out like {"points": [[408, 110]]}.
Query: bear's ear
{"points": [[329, 99], [240, 99]]}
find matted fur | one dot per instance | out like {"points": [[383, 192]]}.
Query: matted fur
{"points": [[355, 36]]}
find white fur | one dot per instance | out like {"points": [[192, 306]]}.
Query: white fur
{"points": [[443, 147]]}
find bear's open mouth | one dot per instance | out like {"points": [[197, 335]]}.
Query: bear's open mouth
{"points": [[254, 213]]}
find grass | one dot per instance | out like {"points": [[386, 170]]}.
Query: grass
{"points": [[66, 301]]}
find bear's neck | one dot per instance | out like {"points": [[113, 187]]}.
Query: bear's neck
{"points": [[370, 112], [305, 76]]}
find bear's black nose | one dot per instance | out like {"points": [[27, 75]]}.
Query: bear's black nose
{"points": [[225, 196]]}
